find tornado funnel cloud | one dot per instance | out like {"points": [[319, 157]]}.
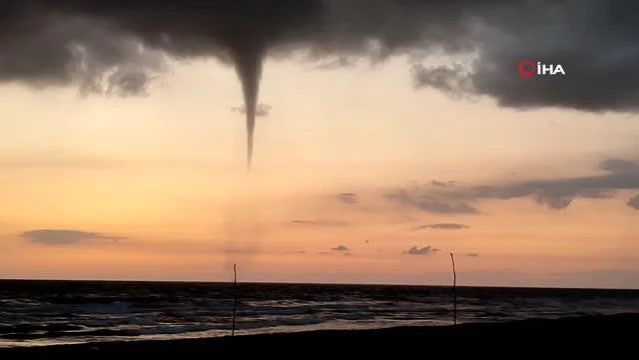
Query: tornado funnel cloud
{"points": [[248, 65]]}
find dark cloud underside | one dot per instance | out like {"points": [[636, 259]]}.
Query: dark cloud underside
{"points": [[119, 47]]}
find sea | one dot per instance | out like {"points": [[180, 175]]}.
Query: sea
{"points": [[45, 312]]}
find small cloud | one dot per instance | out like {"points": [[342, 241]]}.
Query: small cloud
{"points": [[633, 202], [303, 222], [329, 223], [262, 110], [64, 237], [347, 198], [472, 254], [421, 251], [348, 254], [442, 226], [340, 248]]}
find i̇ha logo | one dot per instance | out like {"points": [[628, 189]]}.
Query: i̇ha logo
{"points": [[527, 68]]}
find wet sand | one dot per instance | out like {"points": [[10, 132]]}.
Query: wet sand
{"points": [[588, 335]]}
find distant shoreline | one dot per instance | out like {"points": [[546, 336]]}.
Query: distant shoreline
{"points": [[276, 283], [574, 335]]}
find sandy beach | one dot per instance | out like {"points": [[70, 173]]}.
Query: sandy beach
{"points": [[571, 336]]}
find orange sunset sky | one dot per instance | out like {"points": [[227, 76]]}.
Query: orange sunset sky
{"points": [[358, 177]]}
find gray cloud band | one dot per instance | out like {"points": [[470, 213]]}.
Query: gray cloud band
{"points": [[556, 194]]}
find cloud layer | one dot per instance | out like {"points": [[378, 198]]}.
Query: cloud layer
{"points": [[318, 223], [65, 237], [442, 226], [119, 47], [556, 194]]}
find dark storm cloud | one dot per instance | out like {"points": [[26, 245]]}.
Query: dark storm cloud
{"points": [[442, 226], [633, 202], [420, 251], [347, 198], [556, 194], [105, 45], [65, 237], [118, 47], [44, 49], [593, 40]]}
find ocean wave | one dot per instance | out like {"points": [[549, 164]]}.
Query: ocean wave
{"points": [[32, 327], [56, 312]]}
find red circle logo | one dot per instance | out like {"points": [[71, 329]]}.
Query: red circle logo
{"points": [[526, 68]]}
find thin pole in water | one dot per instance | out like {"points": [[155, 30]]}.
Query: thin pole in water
{"points": [[234, 297], [452, 259]]}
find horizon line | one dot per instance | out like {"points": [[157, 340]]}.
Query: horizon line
{"points": [[321, 283]]}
